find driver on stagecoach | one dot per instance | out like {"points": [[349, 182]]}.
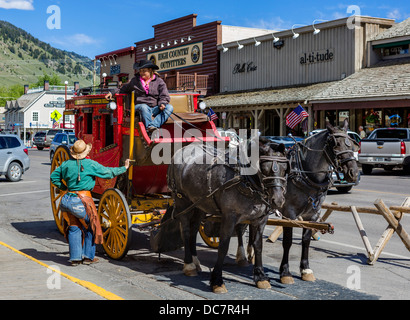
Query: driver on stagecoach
{"points": [[151, 95]]}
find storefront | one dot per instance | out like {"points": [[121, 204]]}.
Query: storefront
{"points": [[185, 52], [376, 96], [264, 78]]}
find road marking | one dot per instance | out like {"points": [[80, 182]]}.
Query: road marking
{"points": [[19, 182], [86, 284], [383, 192], [19, 193]]}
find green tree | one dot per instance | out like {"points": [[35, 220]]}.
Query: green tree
{"points": [[53, 80]]}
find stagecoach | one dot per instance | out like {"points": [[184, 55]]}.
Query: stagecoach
{"points": [[139, 197]]}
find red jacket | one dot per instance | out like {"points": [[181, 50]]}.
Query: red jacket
{"points": [[158, 93]]}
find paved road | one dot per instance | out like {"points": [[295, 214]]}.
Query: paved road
{"points": [[338, 260]]}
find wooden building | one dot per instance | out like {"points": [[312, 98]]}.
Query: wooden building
{"points": [[264, 78]]}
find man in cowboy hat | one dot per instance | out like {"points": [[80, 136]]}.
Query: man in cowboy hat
{"points": [[151, 95], [81, 224]]}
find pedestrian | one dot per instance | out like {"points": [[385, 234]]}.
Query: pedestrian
{"points": [[81, 224], [151, 95], [362, 133]]}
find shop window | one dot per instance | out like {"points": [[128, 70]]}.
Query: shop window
{"points": [[396, 50], [373, 120], [394, 118], [331, 117], [342, 116]]}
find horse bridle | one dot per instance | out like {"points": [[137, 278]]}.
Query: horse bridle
{"points": [[275, 181], [337, 162]]}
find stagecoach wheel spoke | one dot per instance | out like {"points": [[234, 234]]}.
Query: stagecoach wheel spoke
{"points": [[212, 242], [115, 220], [56, 194]]}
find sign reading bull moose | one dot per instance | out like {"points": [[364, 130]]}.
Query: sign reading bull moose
{"points": [[179, 57]]}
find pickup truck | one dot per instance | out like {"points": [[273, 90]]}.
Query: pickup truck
{"points": [[386, 148]]}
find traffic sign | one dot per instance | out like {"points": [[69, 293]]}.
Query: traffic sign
{"points": [[56, 115]]}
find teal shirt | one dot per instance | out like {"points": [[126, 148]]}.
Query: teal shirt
{"points": [[68, 171]]}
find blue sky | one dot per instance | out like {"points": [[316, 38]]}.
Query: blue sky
{"points": [[91, 27]]}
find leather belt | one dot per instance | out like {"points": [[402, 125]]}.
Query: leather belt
{"points": [[84, 193]]}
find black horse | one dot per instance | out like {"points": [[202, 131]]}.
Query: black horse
{"points": [[308, 183], [203, 184]]}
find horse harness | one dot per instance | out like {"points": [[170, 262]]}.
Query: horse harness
{"points": [[253, 187], [300, 176]]}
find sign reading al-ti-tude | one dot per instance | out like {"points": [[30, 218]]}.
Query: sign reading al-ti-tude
{"points": [[179, 57]]}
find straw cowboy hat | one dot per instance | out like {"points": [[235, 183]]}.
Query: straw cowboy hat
{"points": [[80, 149], [145, 64]]}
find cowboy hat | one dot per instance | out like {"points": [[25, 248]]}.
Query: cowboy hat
{"points": [[145, 64], [80, 149]]}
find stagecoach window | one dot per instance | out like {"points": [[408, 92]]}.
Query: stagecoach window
{"points": [[89, 123], [109, 129]]}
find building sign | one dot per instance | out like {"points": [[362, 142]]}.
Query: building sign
{"points": [[115, 69], [60, 103], [316, 56], [244, 67], [179, 57]]}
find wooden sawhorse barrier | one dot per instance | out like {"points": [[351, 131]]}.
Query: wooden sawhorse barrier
{"points": [[393, 215]]}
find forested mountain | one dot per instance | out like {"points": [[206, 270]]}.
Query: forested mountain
{"points": [[24, 58]]}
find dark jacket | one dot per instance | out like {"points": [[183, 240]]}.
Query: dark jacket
{"points": [[157, 95]]}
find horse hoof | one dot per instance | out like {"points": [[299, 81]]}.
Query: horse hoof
{"points": [[287, 280], [307, 275], [190, 270], [219, 289], [263, 285], [242, 263]]}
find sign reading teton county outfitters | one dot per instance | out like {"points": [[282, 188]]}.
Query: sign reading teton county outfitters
{"points": [[179, 57]]}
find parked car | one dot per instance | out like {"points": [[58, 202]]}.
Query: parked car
{"points": [[65, 138], [39, 140], [351, 134], [231, 133], [14, 159], [287, 141], [341, 184], [51, 134], [386, 148]]}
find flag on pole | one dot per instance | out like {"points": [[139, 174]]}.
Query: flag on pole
{"points": [[212, 115], [296, 116]]}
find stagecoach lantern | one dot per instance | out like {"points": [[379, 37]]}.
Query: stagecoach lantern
{"points": [[202, 105], [112, 105]]}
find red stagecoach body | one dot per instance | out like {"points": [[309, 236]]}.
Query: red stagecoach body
{"points": [[109, 132]]}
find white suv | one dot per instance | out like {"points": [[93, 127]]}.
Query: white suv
{"points": [[14, 160]]}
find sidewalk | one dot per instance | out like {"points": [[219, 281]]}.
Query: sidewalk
{"points": [[25, 278]]}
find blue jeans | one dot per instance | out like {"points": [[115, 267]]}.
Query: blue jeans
{"points": [[160, 117], [78, 251]]}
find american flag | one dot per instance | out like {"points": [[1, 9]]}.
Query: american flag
{"points": [[212, 115], [296, 116]]}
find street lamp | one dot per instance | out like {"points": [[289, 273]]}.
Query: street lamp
{"points": [[66, 83]]}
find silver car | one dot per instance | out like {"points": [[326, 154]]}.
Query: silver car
{"points": [[61, 139], [14, 160]]}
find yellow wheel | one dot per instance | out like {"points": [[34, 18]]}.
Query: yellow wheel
{"points": [[212, 242], [116, 223], [62, 154]]}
